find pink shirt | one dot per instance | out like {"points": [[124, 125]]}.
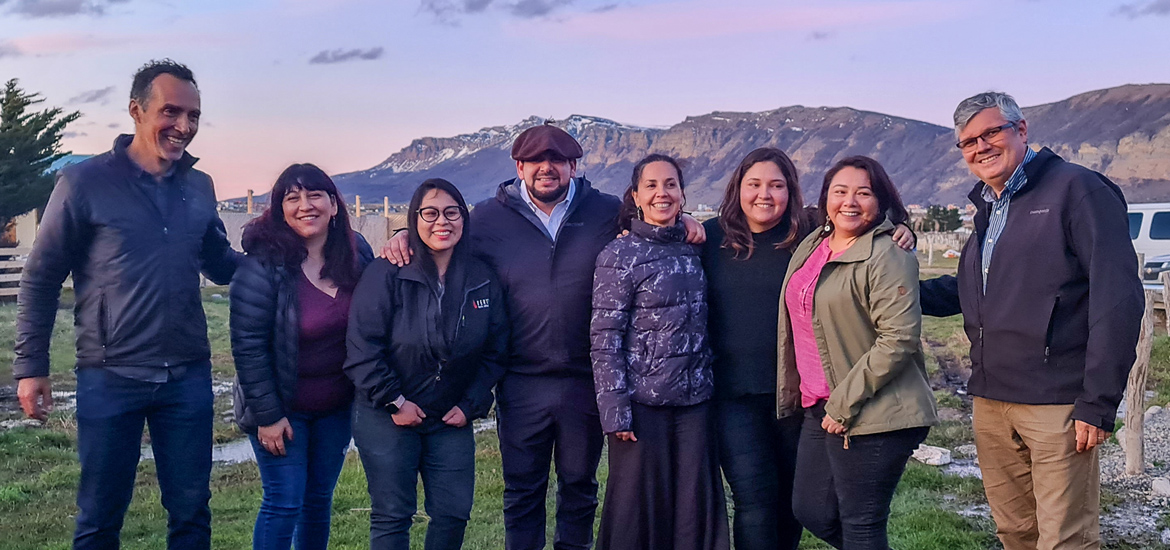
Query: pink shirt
{"points": [[799, 299]]}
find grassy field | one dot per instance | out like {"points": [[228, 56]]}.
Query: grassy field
{"points": [[39, 470]]}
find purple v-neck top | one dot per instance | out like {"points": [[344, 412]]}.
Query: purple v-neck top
{"points": [[321, 384]]}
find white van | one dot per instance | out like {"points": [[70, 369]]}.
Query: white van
{"points": [[1149, 227]]}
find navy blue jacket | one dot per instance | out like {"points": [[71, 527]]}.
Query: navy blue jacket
{"points": [[135, 269], [1060, 320], [649, 328], [548, 284]]}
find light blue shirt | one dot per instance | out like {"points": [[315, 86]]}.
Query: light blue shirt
{"points": [[552, 222], [999, 210]]}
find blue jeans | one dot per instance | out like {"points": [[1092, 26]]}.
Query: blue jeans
{"points": [[394, 457], [298, 487], [111, 410]]}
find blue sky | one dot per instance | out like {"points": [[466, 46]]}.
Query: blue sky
{"points": [[345, 83]]}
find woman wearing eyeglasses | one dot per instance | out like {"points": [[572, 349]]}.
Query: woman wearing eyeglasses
{"points": [[289, 309], [425, 345]]}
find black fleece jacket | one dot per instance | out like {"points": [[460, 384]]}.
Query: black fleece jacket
{"points": [[404, 339], [1060, 319]]}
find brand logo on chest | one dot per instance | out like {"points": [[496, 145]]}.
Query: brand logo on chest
{"points": [[482, 303]]}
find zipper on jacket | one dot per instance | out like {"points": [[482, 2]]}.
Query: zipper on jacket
{"points": [[462, 308]]}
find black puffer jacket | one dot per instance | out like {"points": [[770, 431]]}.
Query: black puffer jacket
{"points": [[649, 329], [135, 267], [437, 353], [265, 331]]}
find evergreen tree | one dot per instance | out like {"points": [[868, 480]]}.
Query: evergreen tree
{"points": [[30, 142], [941, 218]]}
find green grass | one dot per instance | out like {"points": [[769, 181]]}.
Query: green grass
{"points": [[38, 476], [39, 471]]}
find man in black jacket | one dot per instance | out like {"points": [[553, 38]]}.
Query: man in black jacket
{"points": [[134, 227], [1049, 290]]}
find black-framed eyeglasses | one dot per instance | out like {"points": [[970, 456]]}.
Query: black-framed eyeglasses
{"points": [[986, 136], [430, 214]]}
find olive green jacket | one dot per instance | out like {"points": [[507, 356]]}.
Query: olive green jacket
{"points": [[868, 322]]}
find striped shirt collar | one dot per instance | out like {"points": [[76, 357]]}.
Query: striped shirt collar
{"points": [[1014, 183]]}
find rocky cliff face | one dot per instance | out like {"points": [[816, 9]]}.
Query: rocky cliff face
{"points": [[1123, 132]]}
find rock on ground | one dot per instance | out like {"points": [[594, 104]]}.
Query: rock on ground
{"points": [[932, 456]]}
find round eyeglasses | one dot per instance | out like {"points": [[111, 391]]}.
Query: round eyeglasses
{"points": [[430, 214]]}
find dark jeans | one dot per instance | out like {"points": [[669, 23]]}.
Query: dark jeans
{"points": [[111, 410], [394, 457], [758, 456], [843, 495], [541, 418], [298, 487]]}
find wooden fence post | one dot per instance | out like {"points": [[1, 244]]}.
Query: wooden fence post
{"points": [[249, 201], [1135, 392], [1165, 277], [385, 207], [357, 206]]}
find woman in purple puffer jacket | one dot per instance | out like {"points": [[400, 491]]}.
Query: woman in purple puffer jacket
{"points": [[652, 371]]}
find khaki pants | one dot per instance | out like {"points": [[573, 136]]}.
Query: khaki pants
{"points": [[1044, 495]]}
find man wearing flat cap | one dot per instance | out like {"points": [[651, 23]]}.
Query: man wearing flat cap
{"points": [[541, 233]]}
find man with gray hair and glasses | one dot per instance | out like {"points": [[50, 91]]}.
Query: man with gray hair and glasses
{"points": [[1049, 291]]}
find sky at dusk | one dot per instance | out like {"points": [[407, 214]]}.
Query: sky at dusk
{"points": [[345, 83]]}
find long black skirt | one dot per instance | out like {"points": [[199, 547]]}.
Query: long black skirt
{"points": [[665, 491]]}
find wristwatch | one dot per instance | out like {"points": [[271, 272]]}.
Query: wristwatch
{"points": [[393, 406]]}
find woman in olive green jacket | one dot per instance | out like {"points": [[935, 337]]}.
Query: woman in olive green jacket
{"points": [[850, 359]]}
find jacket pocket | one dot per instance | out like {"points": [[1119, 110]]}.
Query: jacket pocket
{"points": [[1051, 327], [103, 320]]}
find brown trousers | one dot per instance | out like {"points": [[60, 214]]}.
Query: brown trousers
{"points": [[1044, 495]]}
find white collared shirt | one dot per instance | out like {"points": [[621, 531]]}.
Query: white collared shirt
{"points": [[552, 222]]}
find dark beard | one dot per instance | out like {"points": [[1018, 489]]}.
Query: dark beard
{"points": [[548, 197]]}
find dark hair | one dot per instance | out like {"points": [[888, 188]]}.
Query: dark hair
{"points": [[889, 201], [629, 210], [140, 88], [737, 234], [268, 235], [421, 250]]}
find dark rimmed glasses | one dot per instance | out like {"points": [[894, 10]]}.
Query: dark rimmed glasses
{"points": [[430, 214], [986, 136]]}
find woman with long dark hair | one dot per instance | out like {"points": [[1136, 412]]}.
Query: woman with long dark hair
{"points": [[850, 359], [426, 343], [761, 220], [652, 372], [290, 300]]}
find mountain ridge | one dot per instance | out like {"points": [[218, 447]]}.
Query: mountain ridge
{"points": [[1123, 132]]}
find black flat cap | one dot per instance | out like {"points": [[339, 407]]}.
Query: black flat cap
{"points": [[535, 141]]}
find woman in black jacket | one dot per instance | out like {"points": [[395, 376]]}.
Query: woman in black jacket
{"points": [[425, 347], [652, 372], [290, 300]]}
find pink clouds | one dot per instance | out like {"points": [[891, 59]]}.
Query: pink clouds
{"points": [[697, 19]]}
